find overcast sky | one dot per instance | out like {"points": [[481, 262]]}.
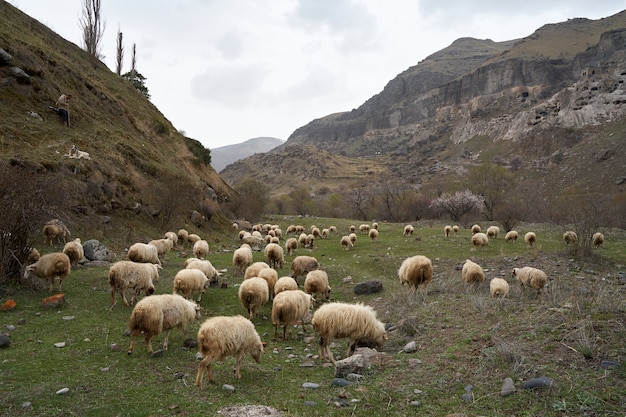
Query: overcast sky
{"points": [[225, 71]]}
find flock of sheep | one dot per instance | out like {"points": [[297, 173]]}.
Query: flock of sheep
{"points": [[222, 336]]}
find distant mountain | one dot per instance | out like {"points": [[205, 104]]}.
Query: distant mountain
{"points": [[225, 155]]}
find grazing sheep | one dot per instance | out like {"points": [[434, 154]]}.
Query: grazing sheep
{"points": [[302, 265], [253, 270], [242, 257], [235, 226], [346, 243], [375, 225], [373, 234], [352, 237], [492, 232], [316, 282], [357, 322], [408, 230], [33, 256], [274, 255], [288, 308], [333, 229], [253, 293], [364, 228], [498, 287], [472, 272], [511, 236], [284, 284], [309, 241], [50, 266], [479, 239], [74, 250], [352, 228], [475, 229], [171, 236], [291, 229], [302, 239], [223, 336], [570, 237], [183, 236], [193, 238], [270, 276], [275, 239], [161, 313], [597, 239], [316, 232], [201, 249], [53, 230], [416, 270], [455, 229], [530, 277], [134, 275], [164, 246], [189, 281], [291, 245], [205, 266], [447, 230], [530, 238], [243, 233], [144, 253]]}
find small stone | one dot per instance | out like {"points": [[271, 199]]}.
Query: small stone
{"points": [[199, 356], [63, 391], [59, 344], [8, 305], [115, 347], [310, 403], [27, 404], [310, 385], [347, 280], [542, 381], [414, 362], [307, 364], [468, 388], [68, 317], [354, 377], [608, 364], [468, 397], [228, 388], [179, 375], [53, 301], [10, 327], [190, 342], [127, 332], [340, 402], [415, 403], [21, 322], [417, 391], [5, 340], [277, 368], [157, 353], [508, 387], [410, 347], [340, 382], [105, 369]]}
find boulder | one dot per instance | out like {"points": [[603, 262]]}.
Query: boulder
{"points": [[354, 364], [368, 287], [96, 251]]}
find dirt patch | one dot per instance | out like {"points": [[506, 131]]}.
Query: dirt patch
{"points": [[249, 411]]}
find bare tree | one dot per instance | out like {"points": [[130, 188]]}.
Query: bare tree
{"points": [[458, 204], [133, 61], [120, 52], [93, 27]]}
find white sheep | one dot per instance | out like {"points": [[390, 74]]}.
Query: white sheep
{"points": [[193, 238], [74, 250], [78, 154], [408, 230], [242, 257], [161, 313], [291, 229], [302, 265], [142, 252], [479, 239], [164, 246], [316, 282], [274, 255], [475, 229], [201, 249], [570, 237], [137, 276], [222, 336], [253, 270], [352, 228], [183, 236], [50, 266], [472, 272], [346, 243], [205, 266], [352, 237], [364, 228], [316, 232], [309, 241], [270, 276], [288, 308], [291, 245], [492, 232], [498, 287], [285, 284], [597, 239], [455, 229], [511, 235], [530, 238], [325, 233], [447, 230], [189, 281], [357, 322], [53, 230], [171, 236], [253, 293], [415, 271], [332, 229], [373, 234], [302, 239], [235, 226], [530, 277], [375, 225]]}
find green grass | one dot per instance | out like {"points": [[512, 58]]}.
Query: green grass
{"points": [[463, 337]]}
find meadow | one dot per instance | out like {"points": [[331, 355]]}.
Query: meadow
{"points": [[464, 337]]}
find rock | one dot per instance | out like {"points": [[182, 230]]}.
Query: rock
{"points": [[53, 301], [354, 377], [415, 403], [410, 347], [5, 340], [310, 403], [5, 57], [63, 391], [10, 327], [199, 356], [115, 347], [8, 305], [157, 353], [508, 387], [608, 364], [347, 280], [105, 369], [67, 318], [190, 342], [228, 388], [542, 381], [27, 404], [20, 75], [355, 364], [414, 362], [368, 287], [340, 402], [96, 251], [59, 345], [310, 385], [340, 382]]}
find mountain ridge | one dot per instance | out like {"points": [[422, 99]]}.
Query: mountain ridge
{"points": [[225, 155]]}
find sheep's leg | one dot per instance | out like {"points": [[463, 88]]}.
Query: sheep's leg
{"points": [[133, 336], [250, 312], [167, 337], [148, 343], [123, 292], [329, 354], [238, 366], [60, 284], [52, 284], [276, 332], [205, 364], [200, 296], [113, 301], [285, 331]]}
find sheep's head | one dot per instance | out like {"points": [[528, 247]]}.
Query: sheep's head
{"points": [[257, 351], [197, 309]]}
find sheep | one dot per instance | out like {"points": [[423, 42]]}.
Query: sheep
{"points": [[511, 236], [346, 243], [316, 282], [357, 322], [163, 246], [171, 236], [498, 287], [253, 293], [472, 272], [352, 228], [144, 253], [205, 266], [274, 255], [74, 250], [161, 313], [570, 237], [479, 239], [53, 230], [270, 276], [33, 256], [530, 277], [352, 237], [310, 241], [242, 257], [475, 229], [325, 233], [183, 236], [302, 265], [222, 336], [284, 284], [291, 245], [193, 238], [375, 225], [447, 230], [416, 270], [530, 238], [373, 234], [455, 229], [597, 239], [332, 229], [364, 228], [492, 232], [288, 308], [235, 226], [188, 281], [201, 249], [243, 233], [257, 234], [135, 275], [302, 239], [50, 266], [316, 232], [75, 153], [253, 270], [408, 230]]}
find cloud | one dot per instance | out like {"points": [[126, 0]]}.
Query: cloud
{"points": [[230, 85], [317, 83], [230, 45]]}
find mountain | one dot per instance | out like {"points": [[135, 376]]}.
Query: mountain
{"points": [[225, 155], [549, 108]]}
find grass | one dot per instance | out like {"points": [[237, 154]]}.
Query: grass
{"points": [[463, 337]]}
